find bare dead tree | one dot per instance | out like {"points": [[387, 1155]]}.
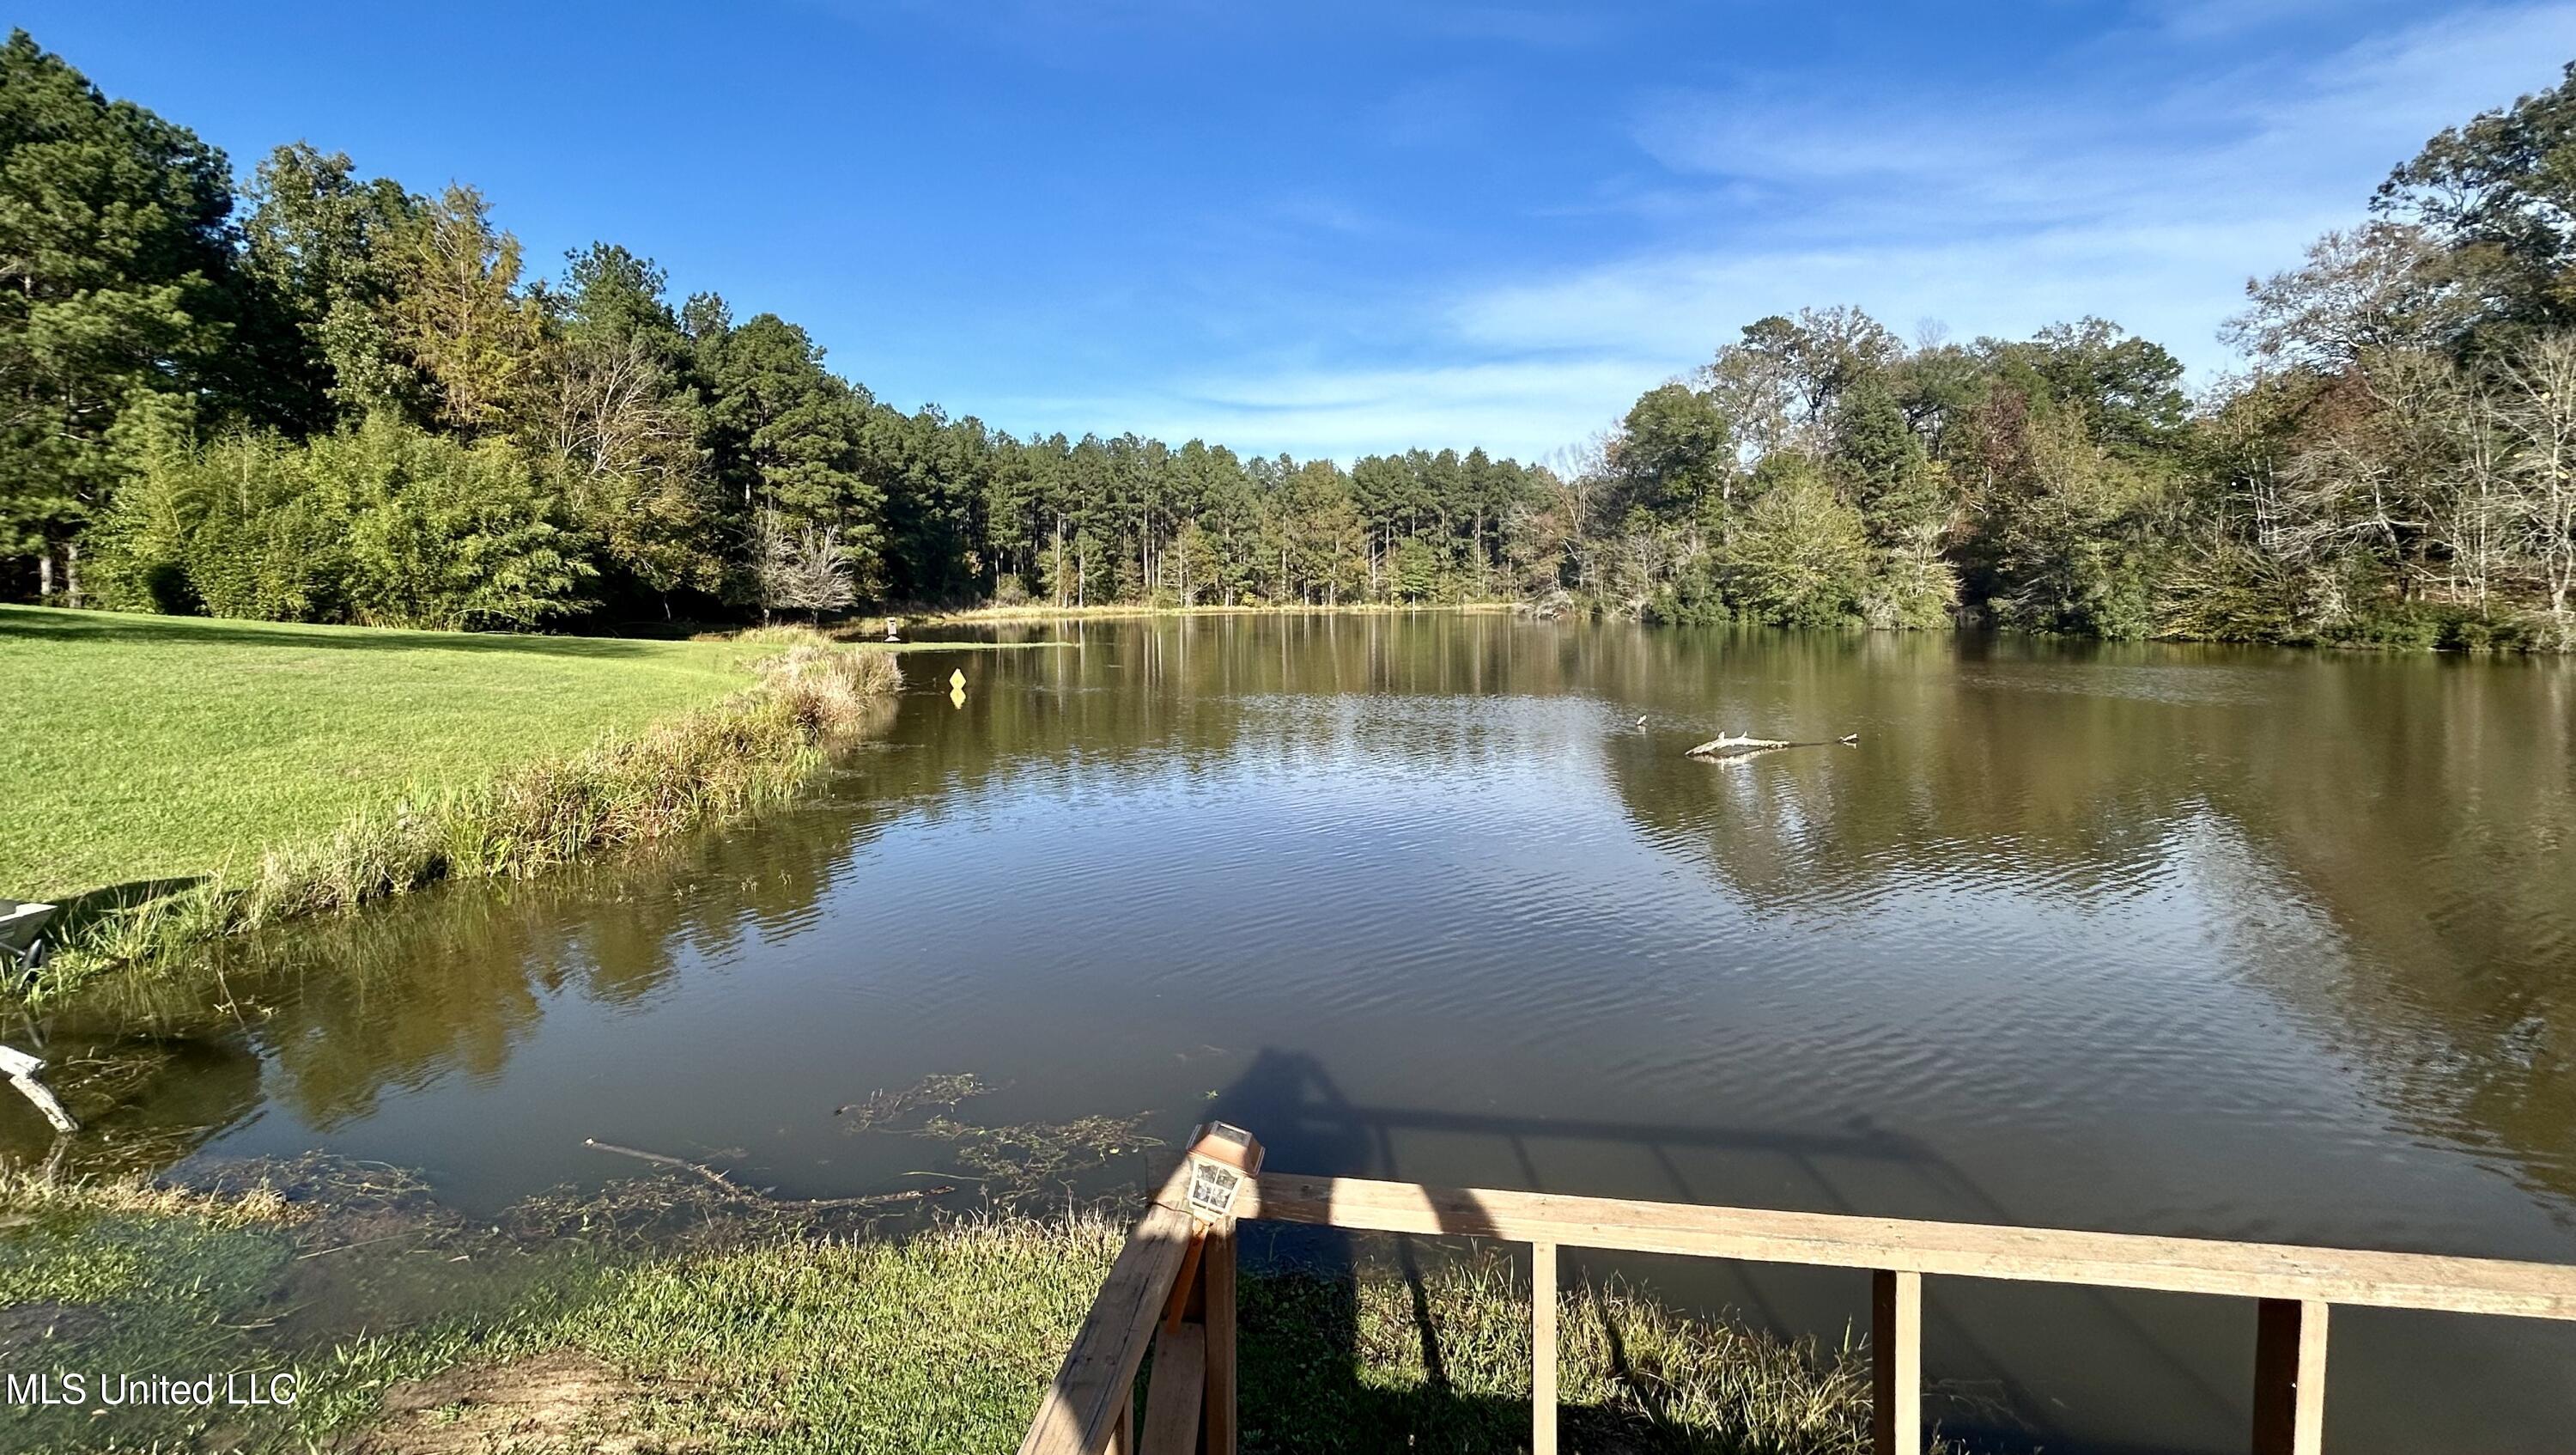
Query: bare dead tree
{"points": [[2387, 286], [2539, 412], [802, 568]]}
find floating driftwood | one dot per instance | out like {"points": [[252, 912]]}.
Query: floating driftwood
{"points": [[21, 1070], [1737, 745], [661, 1159]]}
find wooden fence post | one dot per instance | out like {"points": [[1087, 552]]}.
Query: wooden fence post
{"points": [[2289, 1377], [1176, 1393], [1542, 1349], [1896, 1363], [1216, 1271]]}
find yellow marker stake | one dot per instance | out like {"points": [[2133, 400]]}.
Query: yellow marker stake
{"points": [[957, 680], [957, 697]]}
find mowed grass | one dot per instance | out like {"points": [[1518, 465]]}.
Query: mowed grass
{"points": [[144, 748]]}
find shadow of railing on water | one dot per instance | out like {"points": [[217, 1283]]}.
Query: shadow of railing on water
{"points": [[1309, 1126]]}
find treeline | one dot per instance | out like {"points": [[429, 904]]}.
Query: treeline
{"points": [[331, 398], [2397, 467], [335, 399]]}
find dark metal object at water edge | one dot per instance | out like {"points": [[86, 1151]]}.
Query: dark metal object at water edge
{"points": [[22, 937]]}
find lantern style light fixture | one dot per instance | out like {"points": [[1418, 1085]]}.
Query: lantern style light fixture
{"points": [[1221, 1160]]}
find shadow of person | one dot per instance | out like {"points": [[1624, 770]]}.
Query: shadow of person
{"points": [[191, 631], [1304, 1122], [91, 906]]}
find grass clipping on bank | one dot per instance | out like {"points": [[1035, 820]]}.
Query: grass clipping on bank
{"points": [[733, 757], [421, 1334]]}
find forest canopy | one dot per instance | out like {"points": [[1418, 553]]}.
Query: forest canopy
{"points": [[315, 395]]}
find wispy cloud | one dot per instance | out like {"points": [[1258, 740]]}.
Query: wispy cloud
{"points": [[2215, 19], [1497, 224], [1526, 407], [2141, 197]]}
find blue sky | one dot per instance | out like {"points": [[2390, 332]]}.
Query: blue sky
{"points": [[1332, 228]]}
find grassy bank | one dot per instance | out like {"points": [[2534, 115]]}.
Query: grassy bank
{"points": [[174, 778], [409, 1332], [157, 747]]}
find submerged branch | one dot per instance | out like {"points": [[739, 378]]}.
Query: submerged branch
{"points": [[662, 1159]]}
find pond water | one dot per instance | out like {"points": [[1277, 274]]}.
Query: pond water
{"points": [[2233, 943]]}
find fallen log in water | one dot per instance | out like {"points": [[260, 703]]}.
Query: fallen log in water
{"points": [[1737, 745]]}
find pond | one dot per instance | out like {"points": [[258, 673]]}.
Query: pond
{"points": [[2231, 943]]}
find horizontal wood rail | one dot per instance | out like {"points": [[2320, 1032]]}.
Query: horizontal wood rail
{"points": [[1961, 1250], [1090, 1408]]}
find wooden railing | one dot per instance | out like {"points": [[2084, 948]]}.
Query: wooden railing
{"points": [[1191, 1402], [1091, 1407]]}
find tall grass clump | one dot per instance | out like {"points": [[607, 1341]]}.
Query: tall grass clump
{"points": [[741, 755], [830, 689]]}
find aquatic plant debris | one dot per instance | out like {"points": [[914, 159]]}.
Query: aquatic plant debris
{"points": [[1012, 1162], [883, 1108], [1015, 1162]]}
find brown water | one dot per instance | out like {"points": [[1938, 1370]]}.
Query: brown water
{"points": [[2234, 943]]}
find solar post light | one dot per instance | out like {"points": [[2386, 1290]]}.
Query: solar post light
{"points": [[1221, 1160]]}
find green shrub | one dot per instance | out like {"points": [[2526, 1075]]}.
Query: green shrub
{"points": [[1695, 595], [2467, 630], [2395, 625], [383, 524], [2223, 590], [444, 534], [1801, 557]]}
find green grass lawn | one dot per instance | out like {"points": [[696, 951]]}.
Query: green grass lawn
{"points": [[149, 747]]}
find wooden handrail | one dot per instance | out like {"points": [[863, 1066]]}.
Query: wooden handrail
{"points": [[1089, 1409], [1971, 1250], [1095, 1391]]}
